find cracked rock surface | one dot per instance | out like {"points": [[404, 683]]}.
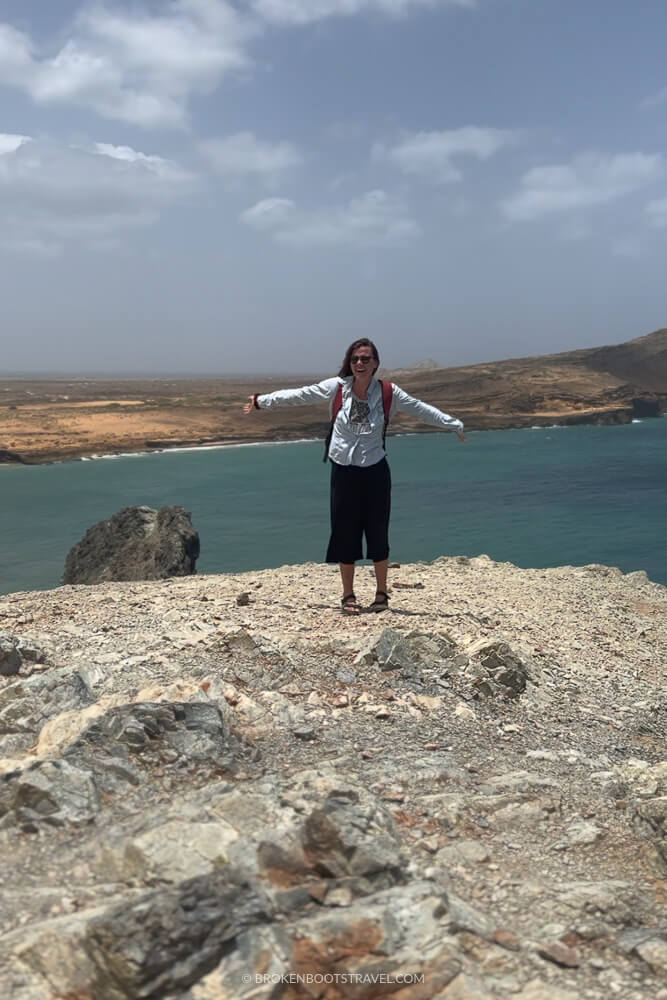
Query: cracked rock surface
{"points": [[216, 786]]}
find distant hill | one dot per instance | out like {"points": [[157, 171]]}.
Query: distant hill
{"points": [[611, 384], [419, 366], [642, 361]]}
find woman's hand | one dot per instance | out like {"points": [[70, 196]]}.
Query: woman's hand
{"points": [[249, 406], [462, 437]]}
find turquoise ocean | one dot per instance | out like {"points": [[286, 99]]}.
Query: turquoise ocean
{"points": [[534, 497]]}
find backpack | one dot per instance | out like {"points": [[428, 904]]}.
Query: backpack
{"points": [[387, 396]]}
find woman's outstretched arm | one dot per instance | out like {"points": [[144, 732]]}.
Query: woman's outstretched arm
{"points": [[316, 393], [429, 414]]}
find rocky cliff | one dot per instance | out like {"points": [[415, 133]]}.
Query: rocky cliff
{"points": [[217, 787], [600, 385]]}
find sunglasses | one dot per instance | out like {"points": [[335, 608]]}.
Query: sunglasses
{"points": [[360, 358]]}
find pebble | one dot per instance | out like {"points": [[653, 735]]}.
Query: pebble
{"points": [[506, 939], [559, 954], [304, 733]]}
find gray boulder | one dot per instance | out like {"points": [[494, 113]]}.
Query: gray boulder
{"points": [[17, 650], [27, 705], [494, 668], [395, 650], [10, 658], [137, 543], [156, 944], [398, 935], [119, 749]]}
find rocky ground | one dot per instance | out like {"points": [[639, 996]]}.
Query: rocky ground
{"points": [[219, 787]]}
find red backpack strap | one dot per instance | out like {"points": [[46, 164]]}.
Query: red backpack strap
{"points": [[387, 396], [337, 401]]}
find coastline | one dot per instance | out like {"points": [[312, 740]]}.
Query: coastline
{"points": [[162, 450], [59, 418], [44, 420], [68, 453]]}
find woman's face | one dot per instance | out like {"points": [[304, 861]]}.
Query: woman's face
{"points": [[362, 361]]}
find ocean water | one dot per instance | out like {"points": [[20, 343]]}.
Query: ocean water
{"points": [[534, 497]]}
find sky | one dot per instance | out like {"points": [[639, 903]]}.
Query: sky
{"points": [[246, 186]]}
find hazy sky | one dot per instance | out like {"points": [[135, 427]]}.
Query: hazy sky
{"points": [[219, 186]]}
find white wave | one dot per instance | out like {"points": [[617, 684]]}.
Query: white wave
{"points": [[201, 447]]}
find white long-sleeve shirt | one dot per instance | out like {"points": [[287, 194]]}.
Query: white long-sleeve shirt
{"points": [[349, 445]]}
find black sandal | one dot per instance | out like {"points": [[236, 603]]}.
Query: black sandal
{"points": [[381, 602], [350, 605]]}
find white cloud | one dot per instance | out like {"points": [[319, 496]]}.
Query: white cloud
{"points": [[166, 175], [309, 11], [132, 65], [590, 179], [271, 213], [10, 143], [657, 212], [52, 193], [432, 154], [15, 53], [244, 155], [143, 66], [374, 219]]}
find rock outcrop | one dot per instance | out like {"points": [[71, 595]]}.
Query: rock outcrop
{"points": [[10, 658], [137, 543], [205, 798], [14, 652], [10, 456]]}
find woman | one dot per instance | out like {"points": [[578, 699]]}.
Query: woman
{"points": [[360, 477]]}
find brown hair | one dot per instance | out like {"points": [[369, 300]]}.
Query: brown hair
{"points": [[346, 367]]}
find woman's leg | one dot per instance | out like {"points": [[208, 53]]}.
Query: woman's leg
{"points": [[376, 512], [347, 576], [381, 575], [376, 527], [346, 525]]}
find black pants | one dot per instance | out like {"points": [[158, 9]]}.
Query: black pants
{"points": [[360, 505]]}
